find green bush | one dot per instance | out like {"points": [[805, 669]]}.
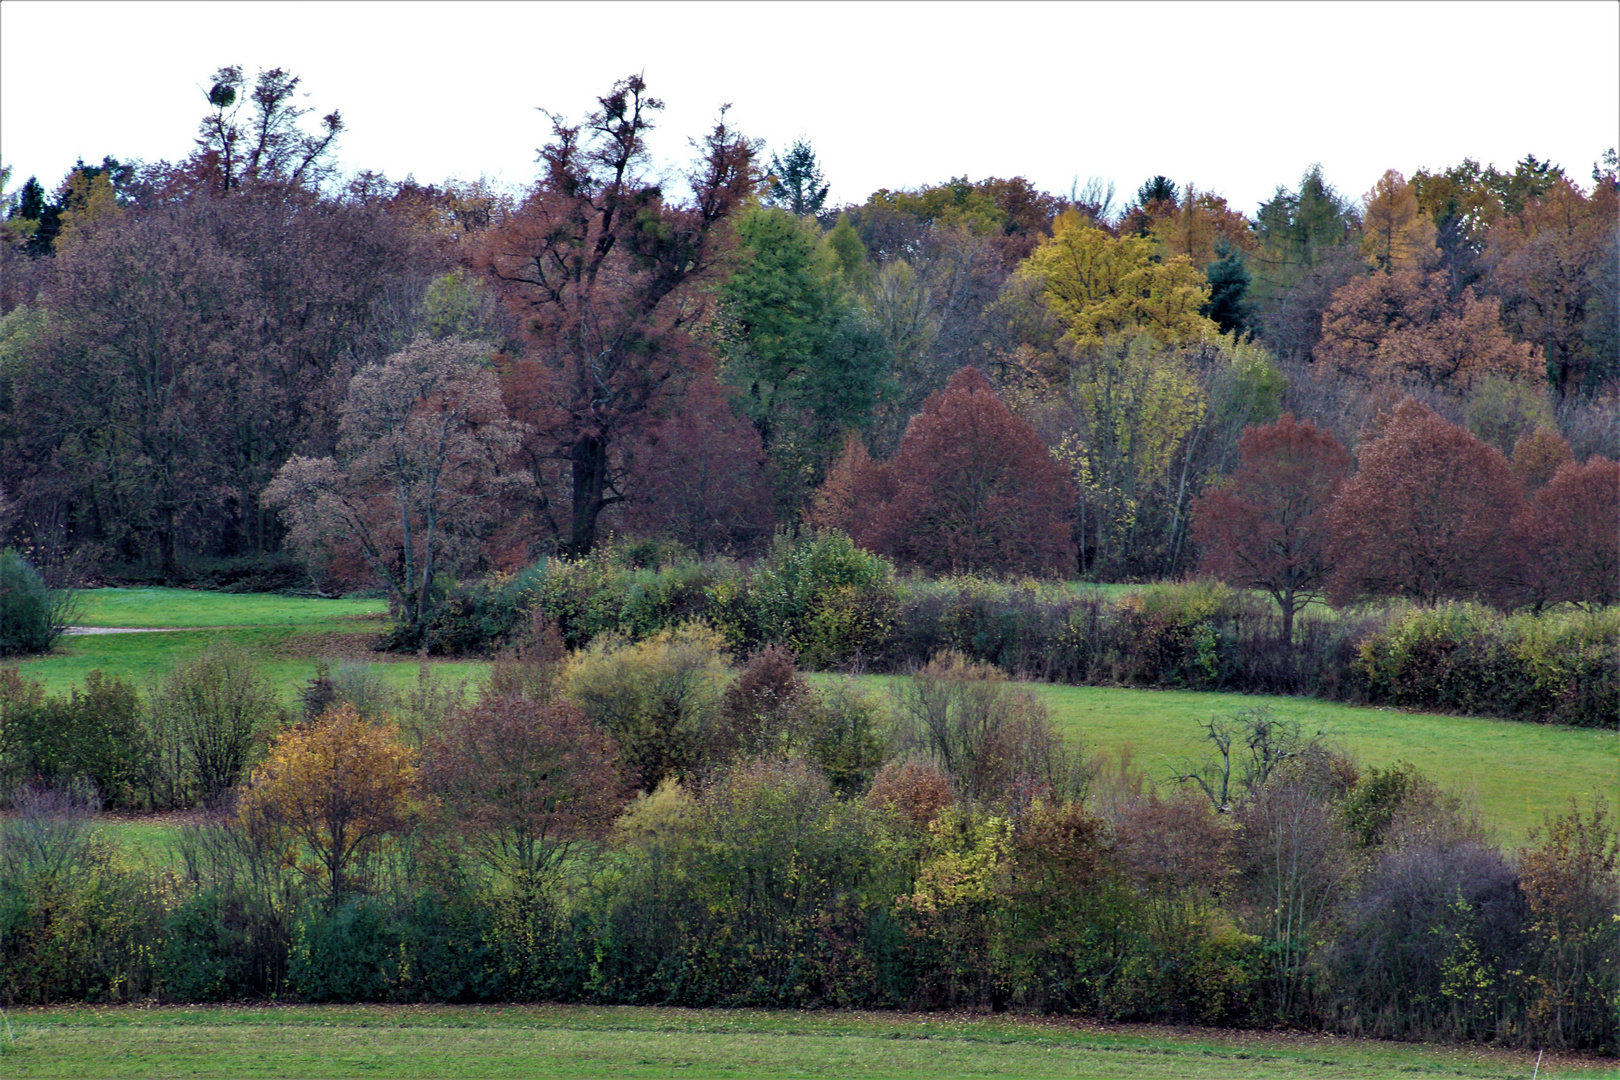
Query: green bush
{"points": [[1558, 667], [96, 735], [825, 598], [28, 613]]}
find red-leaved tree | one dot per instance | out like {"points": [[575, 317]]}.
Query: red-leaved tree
{"points": [[1427, 514], [700, 476], [1568, 537], [606, 269], [973, 489], [1266, 526]]}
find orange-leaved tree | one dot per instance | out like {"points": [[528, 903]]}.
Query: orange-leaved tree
{"points": [[1426, 515], [1266, 526], [340, 787]]}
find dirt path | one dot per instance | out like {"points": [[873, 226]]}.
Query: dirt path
{"points": [[85, 631]]}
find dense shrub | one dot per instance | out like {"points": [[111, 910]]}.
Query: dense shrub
{"points": [[29, 615], [1562, 667], [659, 700], [95, 736]]}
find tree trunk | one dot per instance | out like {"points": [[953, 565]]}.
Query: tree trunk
{"points": [[590, 466]]}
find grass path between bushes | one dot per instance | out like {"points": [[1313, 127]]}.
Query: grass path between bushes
{"points": [[1513, 771], [1516, 771], [585, 1041]]}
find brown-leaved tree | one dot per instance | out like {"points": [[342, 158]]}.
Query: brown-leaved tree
{"points": [[1426, 514], [527, 781], [606, 268], [974, 489]]}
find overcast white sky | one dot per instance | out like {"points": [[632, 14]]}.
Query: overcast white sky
{"points": [[1236, 97]]}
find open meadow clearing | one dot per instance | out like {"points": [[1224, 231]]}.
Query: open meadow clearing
{"points": [[536, 1041], [1516, 772]]}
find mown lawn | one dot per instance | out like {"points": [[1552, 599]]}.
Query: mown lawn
{"points": [[289, 655], [544, 1041]]}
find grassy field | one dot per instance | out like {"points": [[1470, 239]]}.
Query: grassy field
{"points": [[194, 608], [1515, 771], [542, 1041]]}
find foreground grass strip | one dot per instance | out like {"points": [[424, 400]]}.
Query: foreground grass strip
{"points": [[450, 1041]]}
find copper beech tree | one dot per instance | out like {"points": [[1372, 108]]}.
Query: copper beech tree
{"points": [[606, 270], [1266, 526], [1567, 539], [971, 488], [1427, 514], [700, 476]]}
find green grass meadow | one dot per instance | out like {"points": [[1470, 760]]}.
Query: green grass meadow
{"points": [[1516, 772], [195, 608], [581, 1041]]}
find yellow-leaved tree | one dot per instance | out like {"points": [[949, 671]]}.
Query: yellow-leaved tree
{"points": [[1100, 285], [1133, 401], [331, 795]]}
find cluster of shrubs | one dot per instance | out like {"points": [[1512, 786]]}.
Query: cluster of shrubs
{"points": [[836, 605], [635, 822]]}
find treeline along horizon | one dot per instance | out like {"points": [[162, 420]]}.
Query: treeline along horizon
{"points": [[195, 354]]}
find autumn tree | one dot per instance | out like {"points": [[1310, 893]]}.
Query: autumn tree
{"points": [[1406, 328], [606, 270], [338, 788], [1395, 232], [526, 781], [1565, 538], [151, 422], [1426, 514], [413, 482], [700, 476], [1131, 402], [1538, 456], [1266, 526], [974, 489], [1099, 285], [1548, 265]]}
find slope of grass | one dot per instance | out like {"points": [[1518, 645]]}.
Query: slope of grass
{"points": [[1517, 772], [539, 1041]]}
